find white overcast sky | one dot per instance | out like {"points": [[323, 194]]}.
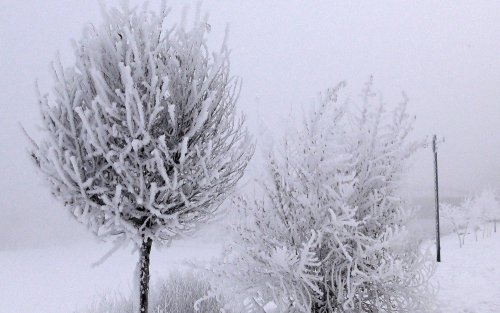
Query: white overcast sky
{"points": [[443, 54]]}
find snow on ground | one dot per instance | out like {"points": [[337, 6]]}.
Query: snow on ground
{"points": [[469, 277], [62, 279]]}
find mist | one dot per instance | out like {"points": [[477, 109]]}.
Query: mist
{"points": [[443, 55]]}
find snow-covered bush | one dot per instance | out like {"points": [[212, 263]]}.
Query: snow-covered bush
{"points": [[187, 288], [141, 139], [326, 233], [110, 303], [179, 292]]}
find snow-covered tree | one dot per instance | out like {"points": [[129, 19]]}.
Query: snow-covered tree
{"points": [[327, 232], [458, 217], [475, 213], [140, 138], [493, 207], [485, 210]]}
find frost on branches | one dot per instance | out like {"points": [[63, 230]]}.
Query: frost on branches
{"points": [[480, 212], [140, 138], [327, 234]]}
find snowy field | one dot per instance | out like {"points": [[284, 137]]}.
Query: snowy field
{"points": [[62, 279], [469, 277], [140, 136]]}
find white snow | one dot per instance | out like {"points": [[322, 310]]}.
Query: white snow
{"points": [[61, 279], [469, 277]]}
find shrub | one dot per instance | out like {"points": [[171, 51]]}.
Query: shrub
{"points": [[327, 232], [179, 292]]}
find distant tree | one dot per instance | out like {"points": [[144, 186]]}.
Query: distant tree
{"points": [[495, 209], [475, 213], [458, 217], [327, 232], [141, 138], [485, 210]]}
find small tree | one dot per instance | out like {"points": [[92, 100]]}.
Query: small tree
{"points": [[494, 208], [328, 234], [477, 213], [458, 217], [486, 203], [141, 139]]}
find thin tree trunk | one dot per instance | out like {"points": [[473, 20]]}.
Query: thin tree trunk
{"points": [[144, 275]]}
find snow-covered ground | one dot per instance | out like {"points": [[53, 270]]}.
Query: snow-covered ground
{"points": [[62, 279], [469, 277]]}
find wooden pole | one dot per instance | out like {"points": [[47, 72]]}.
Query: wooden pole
{"points": [[436, 189]]}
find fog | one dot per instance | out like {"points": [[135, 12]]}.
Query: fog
{"points": [[444, 55]]}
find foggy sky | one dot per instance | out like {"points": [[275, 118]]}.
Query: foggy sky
{"points": [[443, 54]]}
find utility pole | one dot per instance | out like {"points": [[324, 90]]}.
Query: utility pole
{"points": [[436, 189]]}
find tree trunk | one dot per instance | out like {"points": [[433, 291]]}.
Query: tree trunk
{"points": [[144, 275]]}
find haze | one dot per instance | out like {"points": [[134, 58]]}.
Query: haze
{"points": [[444, 55]]}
